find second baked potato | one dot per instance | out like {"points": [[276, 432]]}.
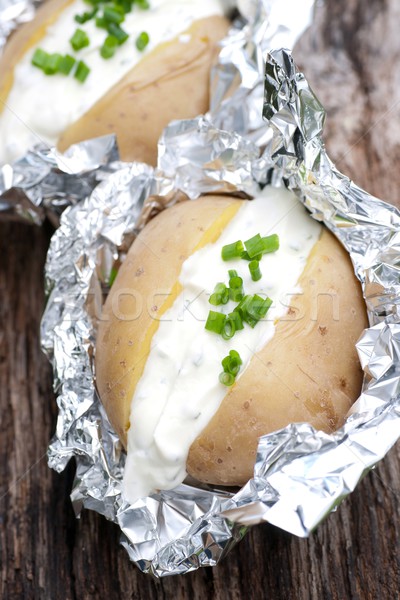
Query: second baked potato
{"points": [[134, 93]]}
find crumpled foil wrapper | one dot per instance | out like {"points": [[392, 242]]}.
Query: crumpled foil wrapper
{"points": [[300, 475], [44, 182], [14, 13]]}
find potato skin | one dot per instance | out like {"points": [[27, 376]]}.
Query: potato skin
{"points": [[171, 82], [309, 371]]}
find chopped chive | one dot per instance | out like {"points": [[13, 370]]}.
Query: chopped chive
{"points": [[232, 362], [114, 14], [237, 319], [66, 64], [231, 365], [220, 295], [236, 292], [226, 379], [232, 250], [82, 71], [256, 310], [261, 305], [143, 4], [101, 22], [245, 256], [261, 245], [142, 40], [241, 308], [126, 5], [113, 274], [270, 243], [39, 58], [254, 245], [117, 32], [52, 64], [229, 329], [235, 354], [254, 268], [253, 308], [215, 299], [79, 40], [86, 16], [109, 46], [232, 273], [215, 321]]}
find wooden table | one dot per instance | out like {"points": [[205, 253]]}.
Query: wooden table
{"points": [[352, 60]]}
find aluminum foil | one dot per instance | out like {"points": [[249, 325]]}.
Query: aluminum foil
{"points": [[300, 474], [44, 182], [14, 13]]}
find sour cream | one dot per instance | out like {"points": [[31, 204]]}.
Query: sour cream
{"points": [[179, 391], [39, 107]]}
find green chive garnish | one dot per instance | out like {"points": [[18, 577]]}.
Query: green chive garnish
{"points": [[245, 256], [113, 274], [215, 322], [231, 365], [116, 31], [271, 243], [114, 14], [142, 40], [229, 328], [39, 58], [254, 268], [86, 16], [232, 250], [143, 4], [109, 47], [256, 310], [241, 308], [226, 379], [253, 308], [82, 71], [126, 5], [236, 292], [220, 295], [101, 22], [52, 64], [237, 320], [79, 40], [232, 362], [258, 245], [66, 64], [254, 245], [232, 273]]}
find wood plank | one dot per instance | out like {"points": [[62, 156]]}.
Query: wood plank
{"points": [[46, 553]]}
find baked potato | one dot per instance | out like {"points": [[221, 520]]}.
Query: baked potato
{"points": [[157, 366], [157, 74]]}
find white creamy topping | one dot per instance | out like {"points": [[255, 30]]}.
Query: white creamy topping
{"points": [[179, 391], [39, 107]]}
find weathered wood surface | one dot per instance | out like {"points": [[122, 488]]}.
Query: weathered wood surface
{"points": [[352, 60]]}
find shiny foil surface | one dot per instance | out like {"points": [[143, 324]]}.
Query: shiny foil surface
{"points": [[301, 474]]}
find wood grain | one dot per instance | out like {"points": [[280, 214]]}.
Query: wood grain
{"points": [[44, 552]]}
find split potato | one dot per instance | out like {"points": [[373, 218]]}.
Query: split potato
{"points": [[307, 372]]}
